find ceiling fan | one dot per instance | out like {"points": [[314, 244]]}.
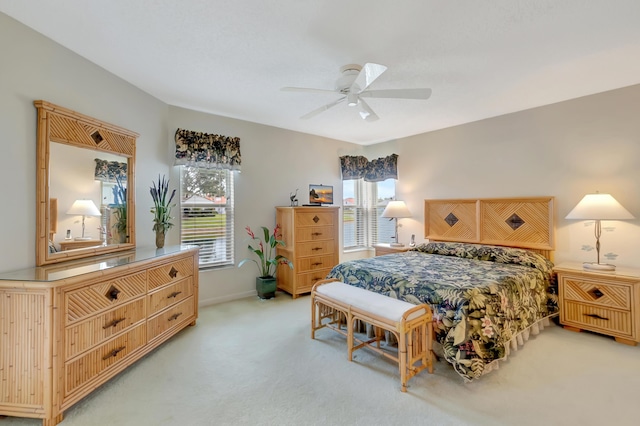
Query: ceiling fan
{"points": [[353, 86]]}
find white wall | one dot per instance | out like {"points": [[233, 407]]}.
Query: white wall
{"points": [[565, 150]]}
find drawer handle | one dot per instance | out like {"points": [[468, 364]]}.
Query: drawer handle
{"points": [[316, 248], [316, 264], [113, 323], [596, 316], [316, 234], [113, 353], [174, 294], [174, 316]]}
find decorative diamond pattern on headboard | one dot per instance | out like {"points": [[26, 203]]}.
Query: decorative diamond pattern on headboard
{"points": [[513, 222]]}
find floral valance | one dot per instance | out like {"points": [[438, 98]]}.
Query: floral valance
{"points": [[207, 150], [358, 167], [110, 171]]}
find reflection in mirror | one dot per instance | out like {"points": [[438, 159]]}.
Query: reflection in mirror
{"points": [[82, 174], [82, 160]]}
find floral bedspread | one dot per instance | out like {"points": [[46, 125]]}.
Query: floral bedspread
{"points": [[481, 296]]}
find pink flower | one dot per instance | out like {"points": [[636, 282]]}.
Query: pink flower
{"points": [[486, 322], [250, 232], [488, 331]]}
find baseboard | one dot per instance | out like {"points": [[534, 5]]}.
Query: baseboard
{"points": [[227, 298]]}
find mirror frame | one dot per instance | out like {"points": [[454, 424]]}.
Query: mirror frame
{"points": [[62, 125]]}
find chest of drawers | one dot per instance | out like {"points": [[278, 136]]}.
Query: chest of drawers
{"points": [[311, 243], [66, 329], [602, 302]]}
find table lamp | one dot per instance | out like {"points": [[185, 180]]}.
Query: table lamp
{"points": [[395, 210], [599, 207], [83, 208]]}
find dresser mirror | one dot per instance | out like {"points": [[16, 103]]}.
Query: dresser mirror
{"points": [[85, 186]]}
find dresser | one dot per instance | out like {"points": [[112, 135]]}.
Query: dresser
{"points": [[602, 302], [66, 329], [311, 242]]}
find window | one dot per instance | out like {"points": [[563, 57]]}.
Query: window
{"points": [[206, 206], [363, 203]]}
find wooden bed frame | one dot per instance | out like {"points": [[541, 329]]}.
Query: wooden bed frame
{"points": [[513, 222]]}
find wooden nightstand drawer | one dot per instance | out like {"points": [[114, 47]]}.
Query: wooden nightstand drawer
{"points": [[602, 320], [597, 292]]}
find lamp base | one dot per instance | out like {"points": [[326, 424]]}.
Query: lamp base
{"points": [[396, 245], [598, 266]]}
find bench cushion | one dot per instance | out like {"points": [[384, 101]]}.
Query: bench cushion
{"points": [[368, 301]]}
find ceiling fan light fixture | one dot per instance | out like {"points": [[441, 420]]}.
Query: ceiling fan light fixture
{"points": [[352, 99]]}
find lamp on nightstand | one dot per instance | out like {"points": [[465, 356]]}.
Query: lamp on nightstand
{"points": [[599, 207], [83, 208], [395, 210]]}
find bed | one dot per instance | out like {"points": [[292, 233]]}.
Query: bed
{"points": [[486, 297]]}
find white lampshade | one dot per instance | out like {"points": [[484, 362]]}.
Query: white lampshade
{"points": [[396, 209], [599, 207], [84, 208]]}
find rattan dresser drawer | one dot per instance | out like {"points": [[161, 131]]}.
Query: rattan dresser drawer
{"points": [[87, 301], [80, 371], [314, 218], [316, 248], [603, 320], [170, 295], [307, 264], [170, 272], [307, 280], [87, 334], [314, 233], [170, 318]]}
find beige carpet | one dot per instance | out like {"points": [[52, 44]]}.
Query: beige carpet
{"points": [[252, 362]]}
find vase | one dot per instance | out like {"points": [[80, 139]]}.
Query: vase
{"points": [[159, 239], [266, 287]]}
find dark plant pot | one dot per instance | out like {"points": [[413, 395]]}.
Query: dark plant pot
{"points": [[266, 287]]}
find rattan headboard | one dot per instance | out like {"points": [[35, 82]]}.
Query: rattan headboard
{"points": [[514, 222]]}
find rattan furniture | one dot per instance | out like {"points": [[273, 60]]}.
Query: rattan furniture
{"points": [[603, 302], [66, 329], [334, 302], [311, 243]]}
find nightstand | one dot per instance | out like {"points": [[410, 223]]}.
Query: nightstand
{"points": [[603, 302], [385, 248], [76, 244]]}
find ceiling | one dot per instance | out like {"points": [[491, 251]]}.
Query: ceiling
{"points": [[228, 57]]}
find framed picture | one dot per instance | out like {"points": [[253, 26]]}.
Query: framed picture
{"points": [[320, 194]]}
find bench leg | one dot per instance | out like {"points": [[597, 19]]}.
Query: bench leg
{"points": [[350, 339]]}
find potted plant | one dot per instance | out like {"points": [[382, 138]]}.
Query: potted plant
{"points": [[120, 210], [162, 209], [267, 261]]}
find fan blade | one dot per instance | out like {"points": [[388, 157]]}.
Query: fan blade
{"points": [[367, 75], [398, 93], [307, 90], [322, 108], [366, 112]]}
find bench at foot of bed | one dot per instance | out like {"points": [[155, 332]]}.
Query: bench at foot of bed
{"points": [[334, 304]]}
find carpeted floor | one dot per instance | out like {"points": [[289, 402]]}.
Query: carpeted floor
{"points": [[252, 362]]}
